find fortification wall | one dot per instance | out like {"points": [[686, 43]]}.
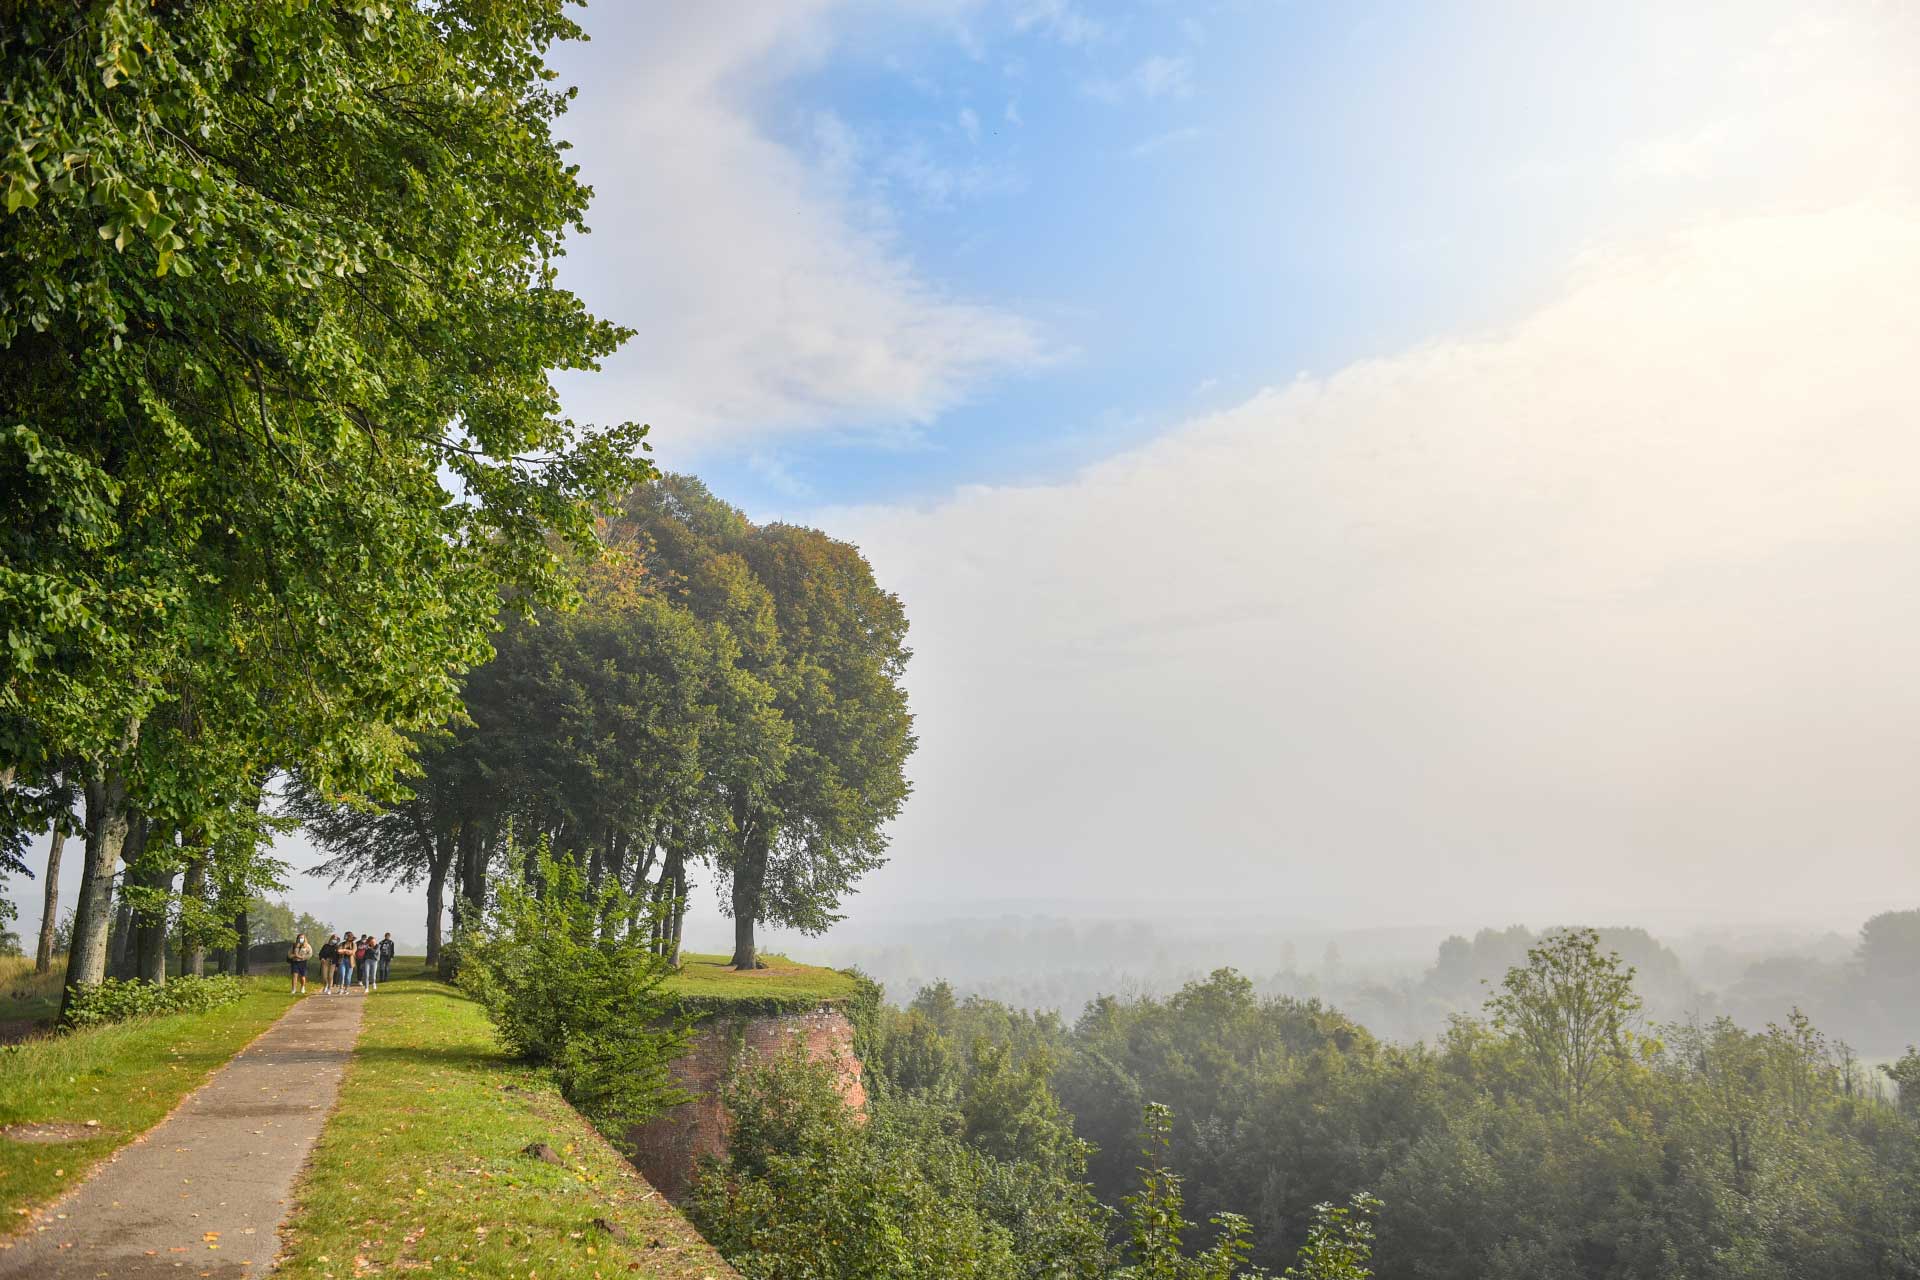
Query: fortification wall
{"points": [[668, 1148]]}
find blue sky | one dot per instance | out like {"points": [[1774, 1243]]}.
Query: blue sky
{"points": [[1156, 209]]}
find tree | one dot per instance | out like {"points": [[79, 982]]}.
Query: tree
{"points": [[275, 407], [1571, 1008], [269, 921], [1905, 1074], [843, 646], [63, 802], [1340, 1243], [1156, 1220]]}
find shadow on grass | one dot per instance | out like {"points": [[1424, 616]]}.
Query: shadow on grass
{"points": [[441, 1056]]}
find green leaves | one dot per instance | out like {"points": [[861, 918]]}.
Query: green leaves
{"points": [[566, 994], [267, 274]]}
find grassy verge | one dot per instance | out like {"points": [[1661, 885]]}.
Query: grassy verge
{"points": [[124, 1077], [422, 1165], [708, 983]]}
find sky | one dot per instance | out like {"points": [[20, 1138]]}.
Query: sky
{"points": [[1360, 462]]}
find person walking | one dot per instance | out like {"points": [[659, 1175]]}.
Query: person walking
{"points": [[297, 965], [346, 964], [369, 963], [329, 960], [386, 956]]}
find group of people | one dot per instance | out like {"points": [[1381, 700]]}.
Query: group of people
{"points": [[345, 963]]}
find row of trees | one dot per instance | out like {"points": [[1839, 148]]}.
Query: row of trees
{"points": [[277, 318], [726, 698]]}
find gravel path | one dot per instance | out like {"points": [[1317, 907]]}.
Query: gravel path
{"points": [[205, 1191]]}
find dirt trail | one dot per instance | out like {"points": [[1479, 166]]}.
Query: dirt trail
{"points": [[204, 1192]]}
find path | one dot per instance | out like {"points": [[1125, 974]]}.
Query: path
{"points": [[204, 1192]]}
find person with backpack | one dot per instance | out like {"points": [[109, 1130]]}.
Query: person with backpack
{"points": [[386, 956], [329, 960], [297, 965]]}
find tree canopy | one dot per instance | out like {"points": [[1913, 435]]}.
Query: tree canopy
{"points": [[726, 696], [279, 313]]}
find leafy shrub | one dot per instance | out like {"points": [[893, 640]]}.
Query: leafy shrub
{"points": [[570, 985], [116, 1000], [808, 1192]]}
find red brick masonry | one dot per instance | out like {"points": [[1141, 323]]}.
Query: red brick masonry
{"points": [[667, 1148]]}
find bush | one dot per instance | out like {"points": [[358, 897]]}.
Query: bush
{"points": [[116, 1000], [570, 986], [808, 1191]]}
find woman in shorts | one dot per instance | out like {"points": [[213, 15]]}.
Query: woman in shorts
{"points": [[297, 963]]}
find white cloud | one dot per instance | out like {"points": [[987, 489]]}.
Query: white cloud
{"points": [[969, 121], [1060, 19], [1161, 141], [1159, 76], [1617, 602], [766, 286]]}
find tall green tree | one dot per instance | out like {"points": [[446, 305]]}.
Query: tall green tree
{"points": [[843, 647], [1572, 1008], [278, 314]]}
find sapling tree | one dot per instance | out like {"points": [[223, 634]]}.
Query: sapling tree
{"points": [[1571, 1007]]}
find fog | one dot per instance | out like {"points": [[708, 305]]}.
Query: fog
{"points": [[1607, 610]]}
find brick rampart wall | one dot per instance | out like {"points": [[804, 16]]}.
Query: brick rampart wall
{"points": [[668, 1148]]}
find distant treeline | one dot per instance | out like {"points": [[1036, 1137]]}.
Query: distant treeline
{"points": [[1865, 991]]}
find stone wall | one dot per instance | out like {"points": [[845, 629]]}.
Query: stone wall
{"points": [[668, 1148]]}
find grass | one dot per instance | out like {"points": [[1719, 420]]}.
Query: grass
{"points": [[30, 996], [708, 980], [127, 1077], [433, 1119]]}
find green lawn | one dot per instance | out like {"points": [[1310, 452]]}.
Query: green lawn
{"points": [[706, 978], [127, 1077], [433, 1119]]}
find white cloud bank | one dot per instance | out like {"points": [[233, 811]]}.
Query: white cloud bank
{"points": [[766, 298], [1617, 606]]}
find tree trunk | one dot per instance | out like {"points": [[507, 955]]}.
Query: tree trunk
{"points": [[642, 864], [119, 962], [473, 873], [150, 939], [438, 861], [744, 954], [748, 879], [243, 930], [127, 920], [597, 864], [679, 909], [193, 946], [107, 821], [43, 958], [155, 875]]}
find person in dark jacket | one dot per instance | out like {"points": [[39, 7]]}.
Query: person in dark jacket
{"points": [[386, 956], [329, 960]]}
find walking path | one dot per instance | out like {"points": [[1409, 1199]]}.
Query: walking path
{"points": [[205, 1191]]}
